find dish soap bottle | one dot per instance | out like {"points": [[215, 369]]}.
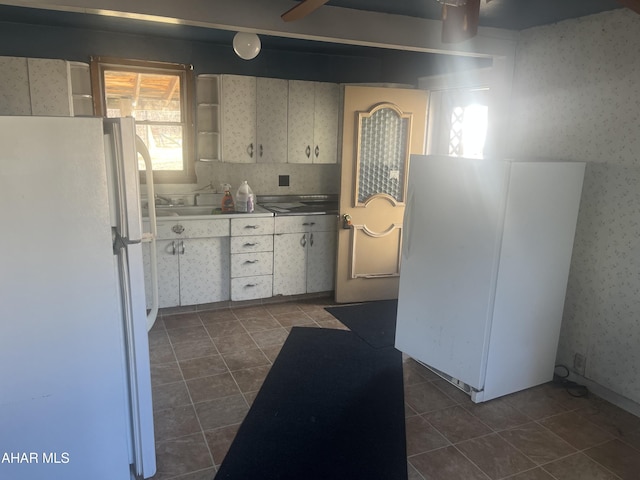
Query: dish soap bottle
{"points": [[227, 200], [244, 198]]}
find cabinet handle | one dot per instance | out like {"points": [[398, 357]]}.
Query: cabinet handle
{"points": [[303, 240], [250, 261], [261, 150], [250, 285], [250, 150], [308, 151], [252, 226], [181, 247], [311, 239], [173, 247], [317, 152], [249, 244]]}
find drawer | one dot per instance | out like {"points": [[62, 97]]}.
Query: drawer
{"points": [[250, 264], [168, 230], [249, 288], [251, 226], [306, 223], [259, 243]]}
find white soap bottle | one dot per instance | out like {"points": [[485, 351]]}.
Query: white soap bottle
{"points": [[244, 198]]}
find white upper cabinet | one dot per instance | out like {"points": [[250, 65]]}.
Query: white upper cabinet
{"points": [[35, 86], [325, 122], [238, 119], [254, 119], [272, 107], [313, 122]]}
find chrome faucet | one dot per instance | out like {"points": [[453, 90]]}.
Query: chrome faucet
{"points": [[160, 200]]}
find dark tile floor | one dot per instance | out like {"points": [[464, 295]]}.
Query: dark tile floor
{"points": [[207, 368]]}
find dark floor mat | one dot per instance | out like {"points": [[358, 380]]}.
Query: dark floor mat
{"points": [[374, 322], [331, 408]]}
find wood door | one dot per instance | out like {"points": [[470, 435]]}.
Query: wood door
{"points": [[382, 127]]}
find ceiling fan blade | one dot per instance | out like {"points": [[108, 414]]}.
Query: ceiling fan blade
{"points": [[631, 4], [302, 9], [460, 23]]}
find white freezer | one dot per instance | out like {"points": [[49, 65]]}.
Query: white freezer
{"points": [[485, 264], [75, 395]]}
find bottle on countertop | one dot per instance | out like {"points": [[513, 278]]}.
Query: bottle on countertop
{"points": [[244, 198], [227, 200]]}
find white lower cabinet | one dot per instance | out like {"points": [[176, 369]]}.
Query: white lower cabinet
{"points": [[251, 258], [193, 262], [304, 254]]}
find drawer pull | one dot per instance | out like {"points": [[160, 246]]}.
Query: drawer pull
{"points": [[252, 226], [250, 285], [249, 244], [250, 261]]}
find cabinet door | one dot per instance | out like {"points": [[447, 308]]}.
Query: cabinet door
{"points": [[168, 274], [14, 86], [238, 119], [271, 111], [289, 263], [204, 270], [301, 118], [321, 259], [325, 123], [49, 87]]}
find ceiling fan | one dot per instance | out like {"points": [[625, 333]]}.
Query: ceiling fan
{"points": [[459, 17]]}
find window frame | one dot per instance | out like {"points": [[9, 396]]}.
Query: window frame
{"points": [[99, 64]]}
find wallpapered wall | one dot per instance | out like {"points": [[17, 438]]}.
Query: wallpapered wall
{"points": [[576, 97]]}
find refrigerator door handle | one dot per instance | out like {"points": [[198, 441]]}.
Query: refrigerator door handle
{"points": [[120, 242], [141, 148]]}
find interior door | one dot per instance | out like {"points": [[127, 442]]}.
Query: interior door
{"points": [[382, 128]]}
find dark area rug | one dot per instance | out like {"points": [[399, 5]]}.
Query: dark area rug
{"points": [[374, 322], [331, 408]]}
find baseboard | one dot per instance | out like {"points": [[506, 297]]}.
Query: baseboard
{"points": [[609, 395]]}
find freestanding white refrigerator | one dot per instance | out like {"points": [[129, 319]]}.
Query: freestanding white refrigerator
{"points": [[75, 388], [485, 262]]}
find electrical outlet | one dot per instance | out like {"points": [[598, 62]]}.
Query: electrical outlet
{"points": [[579, 363]]}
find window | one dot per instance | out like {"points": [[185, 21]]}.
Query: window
{"points": [[468, 130], [159, 97], [458, 120]]}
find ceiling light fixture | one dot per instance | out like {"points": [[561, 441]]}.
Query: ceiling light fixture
{"points": [[246, 45]]}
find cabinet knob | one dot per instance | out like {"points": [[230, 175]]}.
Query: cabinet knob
{"points": [[303, 240], [308, 151], [250, 150], [317, 151]]}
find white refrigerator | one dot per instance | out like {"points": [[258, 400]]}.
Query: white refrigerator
{"points": [[485, 262], [75, 387]]}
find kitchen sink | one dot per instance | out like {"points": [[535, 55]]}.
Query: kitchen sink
{"points": [[184, 210]]}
